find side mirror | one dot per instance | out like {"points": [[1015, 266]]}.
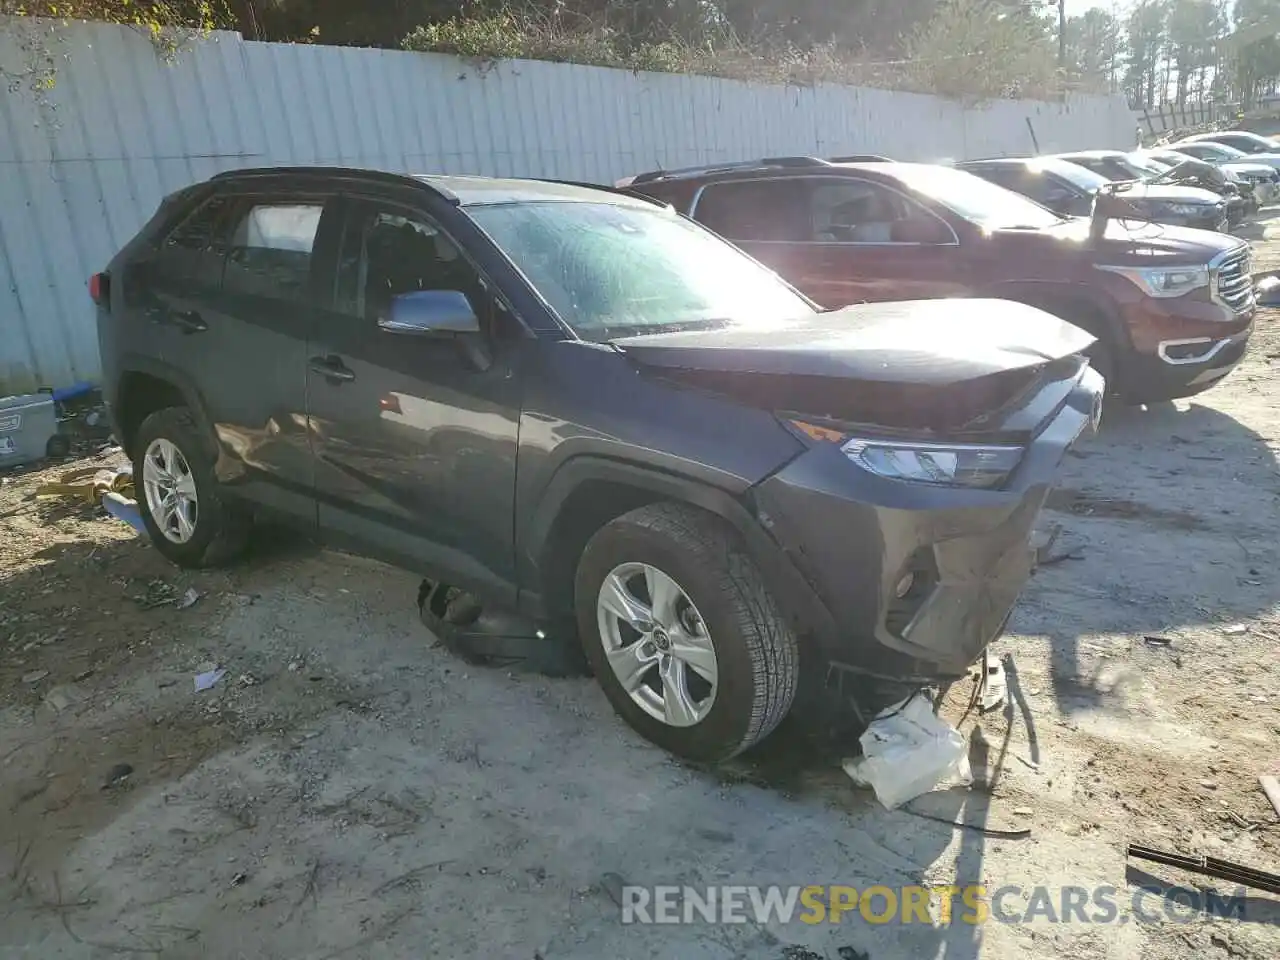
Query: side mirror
{"points": [[426, 313], [920, 230]]}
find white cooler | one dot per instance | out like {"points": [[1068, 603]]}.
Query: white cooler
{"points": [[26, 424]]}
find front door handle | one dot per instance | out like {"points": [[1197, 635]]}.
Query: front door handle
{"points": [[188, 321], [332, 368]]}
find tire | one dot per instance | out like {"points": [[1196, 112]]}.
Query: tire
{"points": [[1101, 357], [729, 609], [220, 530]]}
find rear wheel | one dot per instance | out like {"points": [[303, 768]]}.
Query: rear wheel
{"points": [[682, 634], [185, 512]]}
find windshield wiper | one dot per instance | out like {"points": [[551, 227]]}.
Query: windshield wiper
{"points": [[622, 331]]}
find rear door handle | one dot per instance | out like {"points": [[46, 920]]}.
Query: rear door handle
{"points": [[332, 368], [188, 321]]}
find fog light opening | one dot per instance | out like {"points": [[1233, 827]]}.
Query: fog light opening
{"points": [[904, 585]]}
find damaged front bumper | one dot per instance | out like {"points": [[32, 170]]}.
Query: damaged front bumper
{"points": [[912, 580]]}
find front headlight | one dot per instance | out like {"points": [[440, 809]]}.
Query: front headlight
{"points": [[948, 464], [1182, 209], [1164, 281], [951, 464]]}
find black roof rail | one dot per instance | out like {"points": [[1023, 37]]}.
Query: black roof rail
{"points": [[604, 188], [861, 158], [350, 173], [728, 166]]}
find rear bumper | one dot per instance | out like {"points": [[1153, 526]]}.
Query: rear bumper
{"points": [[914, 580]]}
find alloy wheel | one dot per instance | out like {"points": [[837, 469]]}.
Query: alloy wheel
{"points": [[170, 490], [657, 644]]}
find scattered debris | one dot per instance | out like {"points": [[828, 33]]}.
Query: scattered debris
{"points": [[1271, 787], [850, 953], [61, 697], [117, 775], [612, 884], [188, 599], [124, 508], [35, 676], [994, 685], [1157, 641], [1236, 629], [999, 834], [206, 680], [1210, 867], [1023, 811], [1030, 763], [90, 484], [239, 879], [907, 750]]}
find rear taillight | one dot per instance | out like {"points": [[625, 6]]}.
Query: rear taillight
{"points": [[100, 289]]}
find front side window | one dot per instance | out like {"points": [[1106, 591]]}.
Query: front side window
{"points": [[269, 249], [858, 211], [387, 252], [612, 270]]}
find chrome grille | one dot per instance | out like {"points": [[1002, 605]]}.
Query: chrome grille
{"points": [[1233, 281]]}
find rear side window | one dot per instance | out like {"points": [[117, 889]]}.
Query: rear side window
{"points": [[269, 248], [197, 232], [760, 210]]}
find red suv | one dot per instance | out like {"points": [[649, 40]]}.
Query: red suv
{"points": [[1172, 308]]}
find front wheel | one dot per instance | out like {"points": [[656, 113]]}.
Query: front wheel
{"points": [[682, 633]]}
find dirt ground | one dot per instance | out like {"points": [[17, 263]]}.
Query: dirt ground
{"points": [[351, 790]]}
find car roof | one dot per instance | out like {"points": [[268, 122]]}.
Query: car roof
{"points": [[1221, 133], [997, 162], [1091, 154], [467, 191], [479, 191]]}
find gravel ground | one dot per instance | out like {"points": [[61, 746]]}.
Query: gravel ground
{"points": [[350, 789]]}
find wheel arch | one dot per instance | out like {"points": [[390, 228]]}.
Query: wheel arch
{"points": [[146, 385], [588, 491], [1075, 303]]}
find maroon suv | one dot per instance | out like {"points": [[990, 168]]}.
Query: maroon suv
{"points": [[1172, 308]]}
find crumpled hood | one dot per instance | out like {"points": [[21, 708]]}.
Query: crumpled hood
{"points": [[912, 341], [1168, 193], [944, 367]]}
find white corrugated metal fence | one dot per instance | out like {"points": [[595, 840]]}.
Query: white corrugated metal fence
{"points": [[82, 170]]}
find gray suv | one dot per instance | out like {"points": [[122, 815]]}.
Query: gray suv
{"points": [[576, 404]]}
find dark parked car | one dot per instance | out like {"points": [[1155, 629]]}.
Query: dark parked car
{"points": [[576, 403], [1171, 309], [1120, 167], [1068, 189]]}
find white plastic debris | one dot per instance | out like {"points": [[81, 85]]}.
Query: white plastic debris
{"points": [[908, 750], [205, 681], [994, 686]]}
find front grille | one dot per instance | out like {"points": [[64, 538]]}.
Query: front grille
{"points": [[1233, 281]]}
